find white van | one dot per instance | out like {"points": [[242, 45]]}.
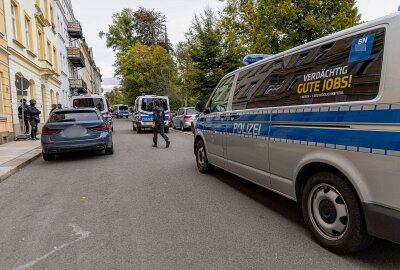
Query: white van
{"points": [[318, 124], [120, 110], [93, 101], [143, 112]]}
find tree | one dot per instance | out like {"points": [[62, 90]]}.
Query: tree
{"points": [[116, 96], [147, 69], [144, 26], [272, 26]]}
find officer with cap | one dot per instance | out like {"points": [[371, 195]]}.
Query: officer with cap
{"points": [[159, 125], [34, 118]]}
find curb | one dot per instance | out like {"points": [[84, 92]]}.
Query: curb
{"points": [[11, 167]]}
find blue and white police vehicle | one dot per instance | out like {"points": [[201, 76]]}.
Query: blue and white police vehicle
{"points": [[320, 125], [143, 112]]}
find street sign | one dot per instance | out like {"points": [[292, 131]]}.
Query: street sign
{"points": [[252, 58], [21, 84]]}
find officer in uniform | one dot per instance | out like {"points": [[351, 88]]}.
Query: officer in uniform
{"points": [[34, 119], [158, 113], [23, 108]]}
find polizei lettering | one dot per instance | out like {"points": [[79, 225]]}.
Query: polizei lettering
{"points": [[247, 129]]}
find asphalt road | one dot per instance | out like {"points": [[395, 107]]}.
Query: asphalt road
{"points": [[146, 208]]}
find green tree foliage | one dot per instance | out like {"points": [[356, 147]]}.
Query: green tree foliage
{"points": [[128, 27], [116, 96], [205, 58], [147, 69], [272, 26]]}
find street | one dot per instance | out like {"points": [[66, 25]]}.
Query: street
{"points": [[150, 208]]}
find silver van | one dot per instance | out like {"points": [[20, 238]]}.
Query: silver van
{"points": [[320, 125]]}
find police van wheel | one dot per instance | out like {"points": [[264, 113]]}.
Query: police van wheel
{"points": [[334, 214], [138, 130], [202, 160]]}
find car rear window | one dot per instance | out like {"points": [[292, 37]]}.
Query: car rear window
{"points": [[89, 103], [191, 111], [77, 116], [147, 104], [123, 108]]}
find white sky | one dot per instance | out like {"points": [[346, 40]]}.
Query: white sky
{"points": [[95, 15]]}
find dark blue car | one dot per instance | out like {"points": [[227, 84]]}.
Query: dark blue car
{"points": [[72, 130]]}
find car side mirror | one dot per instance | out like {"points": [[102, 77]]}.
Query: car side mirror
{"points": [[201, 106]]}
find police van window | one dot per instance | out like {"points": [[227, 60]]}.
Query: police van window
{"points": [[346, 70], [219, 100]]}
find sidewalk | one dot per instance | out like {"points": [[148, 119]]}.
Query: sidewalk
{"points": [[15, 155]]}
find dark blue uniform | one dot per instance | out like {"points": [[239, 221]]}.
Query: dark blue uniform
{"points": [[158, 113]]}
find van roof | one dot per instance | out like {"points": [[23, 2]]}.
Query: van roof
{"points": [[380, 21]]}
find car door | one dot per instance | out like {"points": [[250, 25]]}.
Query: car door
{"points": [[215, 122]]}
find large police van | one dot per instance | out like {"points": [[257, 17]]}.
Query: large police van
{"points": [[142, 118], [319, 124]]}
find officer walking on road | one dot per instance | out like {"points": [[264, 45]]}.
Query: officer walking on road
{"points": [[159, 126]]}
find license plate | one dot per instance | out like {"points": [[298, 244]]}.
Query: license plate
{"points": [[75, 131]]}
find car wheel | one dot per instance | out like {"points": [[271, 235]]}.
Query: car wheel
{"points": [[127, 117], [182, 128], [201, 159], [49, 157], [334, 214], [133, 127], [110, 150], [138, 130]]}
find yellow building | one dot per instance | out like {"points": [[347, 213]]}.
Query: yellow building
{"points": [[6, 124], [31, 36]]}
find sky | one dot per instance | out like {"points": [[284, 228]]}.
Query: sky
{"points": [[96, 15]]}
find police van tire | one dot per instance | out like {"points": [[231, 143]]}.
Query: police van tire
{"points": [[138, 130], [202, 160], [334, 215]]}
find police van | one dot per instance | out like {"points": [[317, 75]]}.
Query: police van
{"points": [[143, 112], [318, 124]]}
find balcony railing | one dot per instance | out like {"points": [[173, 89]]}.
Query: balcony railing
{"points": [[75, 29], [76, 57], [78, 85]]}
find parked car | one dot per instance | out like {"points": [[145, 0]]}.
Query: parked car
{"points": [[94, 101], [184, 117], [171, 116], [71, 130]]}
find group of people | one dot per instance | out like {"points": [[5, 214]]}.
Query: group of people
{"points": [[30, 116]]}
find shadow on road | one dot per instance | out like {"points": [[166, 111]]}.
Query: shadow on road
{"points": [[382, 253]]}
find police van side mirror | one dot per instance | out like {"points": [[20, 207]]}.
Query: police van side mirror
{"points": [[201, 106]]}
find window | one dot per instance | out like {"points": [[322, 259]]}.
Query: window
{"points": [[40, 44], [74, 115], [49, 51], [191, 111], [55, 60], [147, 104], [28, 33], [89, 103], [52, 16], [339, 71], [219, 100], [14, 20]]}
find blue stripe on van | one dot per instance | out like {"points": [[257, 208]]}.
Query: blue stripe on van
{"points": [[373, 139], [364, 116]]}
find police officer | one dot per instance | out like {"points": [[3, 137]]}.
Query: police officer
{"points": [[34, 119], [23, 108], [158, 112]]}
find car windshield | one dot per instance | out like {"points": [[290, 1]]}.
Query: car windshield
{"points": [[147, 104], [73, 116], [191, 111], [123, 108], [89, 103]]}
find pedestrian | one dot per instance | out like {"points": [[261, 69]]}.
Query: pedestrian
{"points": [[34, 118], [53, 107], [159, 126], [22, 110]]}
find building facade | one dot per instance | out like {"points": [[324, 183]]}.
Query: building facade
{"points": [[6, 122], [31, 35]]}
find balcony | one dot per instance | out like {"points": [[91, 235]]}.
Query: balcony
{"points": [[75, 29], [79, 85], [76, 57]]}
